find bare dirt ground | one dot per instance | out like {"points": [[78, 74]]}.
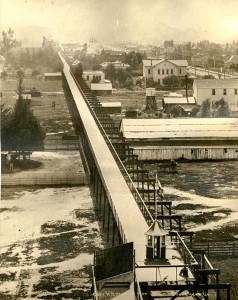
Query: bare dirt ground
{"points": [[47, 241]]}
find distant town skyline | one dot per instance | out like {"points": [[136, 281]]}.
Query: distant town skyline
{"points": [[124, 20]]}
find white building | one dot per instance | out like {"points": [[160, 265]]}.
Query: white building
{"points": [[94, 76], [215, 89], [117, 64], [158, 69], [97, 82]]}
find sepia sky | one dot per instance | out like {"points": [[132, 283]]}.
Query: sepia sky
{"points": [[146, 21]]}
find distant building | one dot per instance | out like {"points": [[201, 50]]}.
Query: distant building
{"points": [[117, 64], [158, 69], [185, 139], [215, 89], [91, 76], [97, 82], [53, 76], [185, 103]]}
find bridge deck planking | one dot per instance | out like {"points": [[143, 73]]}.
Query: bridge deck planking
{"points": [[131, 218]]}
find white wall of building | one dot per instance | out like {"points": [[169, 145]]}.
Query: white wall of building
{"points": [[230, 95], [89, 76], [162, 70]]}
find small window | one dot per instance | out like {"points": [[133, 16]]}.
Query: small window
{"points": [[162, 71], [158, 71], [167, 72], [225, 150], [235, 91], [87, 77], [149, 71], [213, 92], [172, 71], [180, 71], [191, 151], [224, 91]]}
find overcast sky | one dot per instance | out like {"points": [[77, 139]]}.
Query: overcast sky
{"points": [[146, 21]]}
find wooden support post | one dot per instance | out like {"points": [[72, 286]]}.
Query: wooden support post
{"points": [[108, 221], [218, 297], [228, 291], [100, 195], [170, 221], [113, 232], [104, 208], [180, 225]]}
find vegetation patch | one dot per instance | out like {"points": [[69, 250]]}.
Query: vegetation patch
{"points": [[229, 273], [206, 217], [8, 276], [225, 233], [58, 226], [85, 213], [189, 206]]}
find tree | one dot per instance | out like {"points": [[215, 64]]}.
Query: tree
{"points": [[194, 111], [121, 77], [206, 109], [171, 81], [23, 131], [4, 74], [176, 111], [8, 42], [20, 73], [110, 72], [129, 83], [35, 73], [221, 108]]}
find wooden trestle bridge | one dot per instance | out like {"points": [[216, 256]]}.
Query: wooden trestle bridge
{"points": [[151, 257]]}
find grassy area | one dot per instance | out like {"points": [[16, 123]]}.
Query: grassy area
{"points": [[229, 273], [227, 232]]}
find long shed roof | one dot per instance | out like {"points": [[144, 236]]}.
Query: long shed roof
{"points": [[199, 128]]}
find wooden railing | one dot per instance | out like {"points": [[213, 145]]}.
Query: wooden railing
{"points": [[217, 248], [146, 213]]}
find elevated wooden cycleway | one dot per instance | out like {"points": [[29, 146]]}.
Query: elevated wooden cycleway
{"points": [[125, 210]]}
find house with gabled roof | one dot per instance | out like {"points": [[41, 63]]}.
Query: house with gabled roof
{"points": [[158, 69]]}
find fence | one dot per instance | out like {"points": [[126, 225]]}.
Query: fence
{"points": [[218, 248], [44, 179], [113, 261]]}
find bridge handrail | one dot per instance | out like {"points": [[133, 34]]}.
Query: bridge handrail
{"points": [[130, 183], [185, 252]]}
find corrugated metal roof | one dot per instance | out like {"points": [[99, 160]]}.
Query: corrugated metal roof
{"points": [[216, 83], [225, 128], [181, 100]]}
